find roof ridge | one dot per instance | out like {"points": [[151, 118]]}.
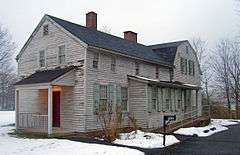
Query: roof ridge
{"points": [[90, 29], [172, 42]]}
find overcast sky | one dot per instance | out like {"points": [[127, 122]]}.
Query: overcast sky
{"points": [[155, 21]]}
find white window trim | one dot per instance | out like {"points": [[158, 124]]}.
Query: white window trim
{"points": [[45, 60]]}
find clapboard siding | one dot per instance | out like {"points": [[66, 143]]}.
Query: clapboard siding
{"points": [[28, 60], [72, 98], [178, 76], [190, 55], [138, 102], [103, 75], [33, 101]]}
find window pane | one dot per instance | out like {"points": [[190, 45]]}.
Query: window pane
{"points": [[61, 54], [41, 58], [124, 96], [137, 68], [113, 64], [95, 60]]}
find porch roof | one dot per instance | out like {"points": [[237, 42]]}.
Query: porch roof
{"points": [[45, 76], [175, 84]]}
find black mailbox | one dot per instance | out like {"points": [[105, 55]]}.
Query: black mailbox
{"points": [[166, 120], [169, 118]]}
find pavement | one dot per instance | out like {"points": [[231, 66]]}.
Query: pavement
{"points": [[222, 143]]}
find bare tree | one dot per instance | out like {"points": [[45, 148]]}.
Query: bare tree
{"points": [[105, 29], [234, 71], [7, 76], [200, 46], [220, 66], [7, 46]]}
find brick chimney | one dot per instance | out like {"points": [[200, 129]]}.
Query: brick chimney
{"points": [[130, 36], [91, 20]]}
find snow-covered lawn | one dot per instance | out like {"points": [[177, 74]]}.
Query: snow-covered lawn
{"points": [[216, 125], [145, 139], [25, 146]]}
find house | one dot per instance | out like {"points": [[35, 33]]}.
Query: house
{"points": [[68, 72]]}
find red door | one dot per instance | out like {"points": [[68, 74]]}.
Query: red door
{"points": [[56, 109]]}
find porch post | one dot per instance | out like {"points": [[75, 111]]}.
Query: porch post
{"points": [[16, 108], [50, 110]]}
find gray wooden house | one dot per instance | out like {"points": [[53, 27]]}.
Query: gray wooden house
{"points": [[68, 72]]}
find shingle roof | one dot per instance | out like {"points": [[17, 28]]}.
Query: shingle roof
{"points": [[45, 76], [103, 40], [167, 51]]}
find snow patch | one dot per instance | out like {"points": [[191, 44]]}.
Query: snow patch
{"points": [[145, 139], [216, 125], [25, 146]]}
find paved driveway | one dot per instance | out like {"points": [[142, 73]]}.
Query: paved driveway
{"points": [[222, 143]]}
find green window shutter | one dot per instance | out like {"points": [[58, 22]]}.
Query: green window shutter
{"points": [[160, 100], [96, 97], [177, 99], [118, 95], [173, 100], [110, 90], [166, 99], [149, 96]]}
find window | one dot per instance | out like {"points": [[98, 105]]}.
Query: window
{"points": [[137, 66], [191, 68], [183, 65], [187, 49], [154, 98], [167, 99], [124, 96], [157, 72], [178, 99], [42, 59], [45, 30], [103, 98], [187, 99], [95, 60], [61, 54], [113, 64]]}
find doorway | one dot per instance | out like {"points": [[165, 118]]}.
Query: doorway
{"points": [[56, 109]]}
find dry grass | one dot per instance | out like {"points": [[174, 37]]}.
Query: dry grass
{"points": [[221, 112]]}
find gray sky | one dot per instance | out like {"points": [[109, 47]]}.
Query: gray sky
{"points": [[155, 21]]}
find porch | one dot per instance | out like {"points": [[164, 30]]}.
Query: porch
{"points": [[40, 105]]}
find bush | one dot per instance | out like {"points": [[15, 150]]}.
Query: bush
{"points": [[110, 123]]}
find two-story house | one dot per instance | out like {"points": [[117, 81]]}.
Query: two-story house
{"points": [[70, 72]]}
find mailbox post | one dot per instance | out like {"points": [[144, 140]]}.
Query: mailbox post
{"points": [[166, 120]]}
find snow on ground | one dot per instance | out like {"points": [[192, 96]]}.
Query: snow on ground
{"points": [[145, 140], [216, 125], [225, 122], [7, 117], [25, 146]]}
